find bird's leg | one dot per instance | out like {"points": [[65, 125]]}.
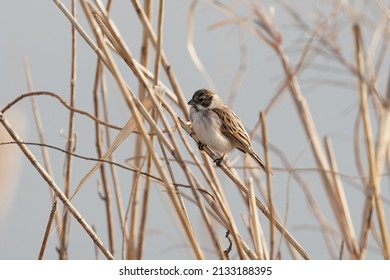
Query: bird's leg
{"points": [[218, 161], [201, 145]]}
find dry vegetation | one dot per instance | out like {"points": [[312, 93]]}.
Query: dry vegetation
{"points": [[165, 149]]}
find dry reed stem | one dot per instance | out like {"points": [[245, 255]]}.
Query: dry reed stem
{"points": [[211, 180], [144, 61], [99, 83], [254, 223], [159, 42], [54, 186], [383, 138], [227, 217], [325, 41], [45, 155], [229, 222], [347, 226], [373, 186], [294, 175], [242, 68], [99, 150], [302, 106], [131, 251], [216, 189], [70, 144], [110, 30], [387, 106], [193, 54], [37, 118], [269, 185], [128, 129], [134, 108], [191, 48], [114, 174], [158, 112], [300, 65], [195, 186], [98, 143], [214, 184], [224, 217], [48, 228], [245, 192], [373, 70], [168, 69], [304, 113], [123, 50], [144, 212], [101, 24], [310, 130]]}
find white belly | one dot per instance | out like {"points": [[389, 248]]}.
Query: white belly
{"points": [[206, 125]]}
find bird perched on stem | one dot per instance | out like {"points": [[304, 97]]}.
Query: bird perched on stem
{"points": [[218, 127]]}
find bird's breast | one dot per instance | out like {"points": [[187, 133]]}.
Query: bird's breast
{"points": [[206, 124]]}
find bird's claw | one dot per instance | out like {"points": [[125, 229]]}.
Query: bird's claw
{"points": [[201, 145], [218, 161]]}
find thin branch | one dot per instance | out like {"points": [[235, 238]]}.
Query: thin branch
{"points": [[50, 181], [63, 102]]}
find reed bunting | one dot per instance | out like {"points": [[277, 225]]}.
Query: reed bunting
{"points": [[218, 127]]}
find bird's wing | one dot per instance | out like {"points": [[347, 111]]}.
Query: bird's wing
{"points": [[232, 128]]}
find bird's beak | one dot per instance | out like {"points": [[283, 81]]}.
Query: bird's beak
{"points": [[191, 102]]}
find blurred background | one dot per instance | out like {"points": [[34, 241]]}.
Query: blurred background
{"points": [[245, 71]]}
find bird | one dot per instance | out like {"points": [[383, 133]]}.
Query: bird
{"points": [[219, 128]]}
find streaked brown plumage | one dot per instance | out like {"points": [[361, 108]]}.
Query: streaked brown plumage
{"points": [[218, 127]]}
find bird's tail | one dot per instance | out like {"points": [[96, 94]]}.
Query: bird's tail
{"points": [[261, 163]]}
